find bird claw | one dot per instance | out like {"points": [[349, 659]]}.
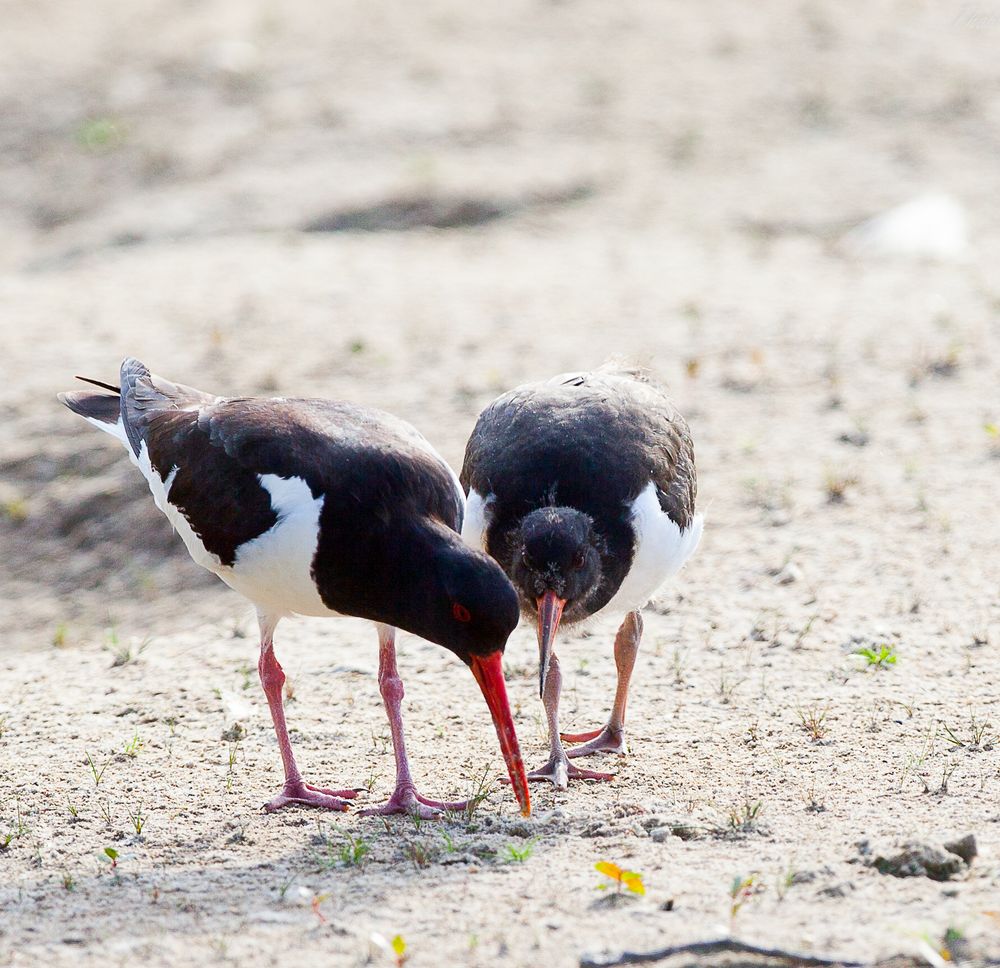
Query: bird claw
{"points": [[603, 740], [309, 796], [407, 801], [560, 771]]}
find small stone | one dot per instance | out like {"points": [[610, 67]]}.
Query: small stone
{"points": [[615, 899], [628, 810], [684, 832], [522, 829], [921, 860], [788, 575], [836, 890], [965, 847], [235, 733]]}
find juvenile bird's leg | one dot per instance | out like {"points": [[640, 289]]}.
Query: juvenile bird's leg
{"points": [[272, 678], [405, 798], [611, 739], [558, 770]]}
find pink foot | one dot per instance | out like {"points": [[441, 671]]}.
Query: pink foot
{"points": [[560, 771], [407, 800], [579, 737], [310, 796], [604, 740]]}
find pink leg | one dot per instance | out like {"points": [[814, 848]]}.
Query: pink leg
{"points": [[558, 770], [405, 798], [611, 739], [272, 678]]}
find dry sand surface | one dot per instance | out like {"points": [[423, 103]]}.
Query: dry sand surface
{"points": [[416, 207]]}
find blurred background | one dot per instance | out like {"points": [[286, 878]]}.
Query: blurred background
{"points": [[788, 211]]}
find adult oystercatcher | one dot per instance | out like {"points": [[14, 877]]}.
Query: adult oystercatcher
{"points": [[315, 507], [583, 489]]}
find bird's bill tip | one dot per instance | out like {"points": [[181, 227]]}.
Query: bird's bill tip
{"points": [[488, 670], [550, 609]]}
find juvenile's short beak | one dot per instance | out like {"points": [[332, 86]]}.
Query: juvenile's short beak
{"points": [[488, 671], [550, 609]]}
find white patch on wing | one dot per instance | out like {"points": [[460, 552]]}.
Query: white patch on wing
{"points": [[661, 549], [274, 570], [477, 519], [160, 489]]}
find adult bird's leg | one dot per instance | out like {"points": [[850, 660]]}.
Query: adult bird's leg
{"points": [[611, 739], [295, 790], [405, 798], [558, 770]]}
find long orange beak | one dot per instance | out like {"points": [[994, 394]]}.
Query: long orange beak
{"points": [[550, 609], [488, 671]]}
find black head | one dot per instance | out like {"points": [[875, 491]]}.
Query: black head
{"points": [[470, 606], [556, 550]]}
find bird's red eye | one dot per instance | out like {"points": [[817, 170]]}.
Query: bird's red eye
{"points": [[460, 613]]}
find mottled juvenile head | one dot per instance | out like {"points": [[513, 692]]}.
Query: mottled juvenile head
{"points": [[558, 551], [556, 567]]}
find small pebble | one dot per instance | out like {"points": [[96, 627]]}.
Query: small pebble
{"points": [[788, 575]]}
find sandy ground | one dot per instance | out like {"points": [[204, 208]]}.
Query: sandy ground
{"points": [[550, 183]]}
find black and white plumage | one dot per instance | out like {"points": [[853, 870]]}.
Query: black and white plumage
{"points": [[315, 507], [583, 489]]}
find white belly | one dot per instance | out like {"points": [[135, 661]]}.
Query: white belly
{"points": [[661, 549], [274, 570]]}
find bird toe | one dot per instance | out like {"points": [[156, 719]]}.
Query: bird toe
{"points": [[308, 796]]}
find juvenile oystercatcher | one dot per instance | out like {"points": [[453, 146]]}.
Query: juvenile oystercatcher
{"points": [[314, 507], [583, 489]]}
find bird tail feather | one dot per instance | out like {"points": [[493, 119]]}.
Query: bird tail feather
{"points": [[102, 410]]}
